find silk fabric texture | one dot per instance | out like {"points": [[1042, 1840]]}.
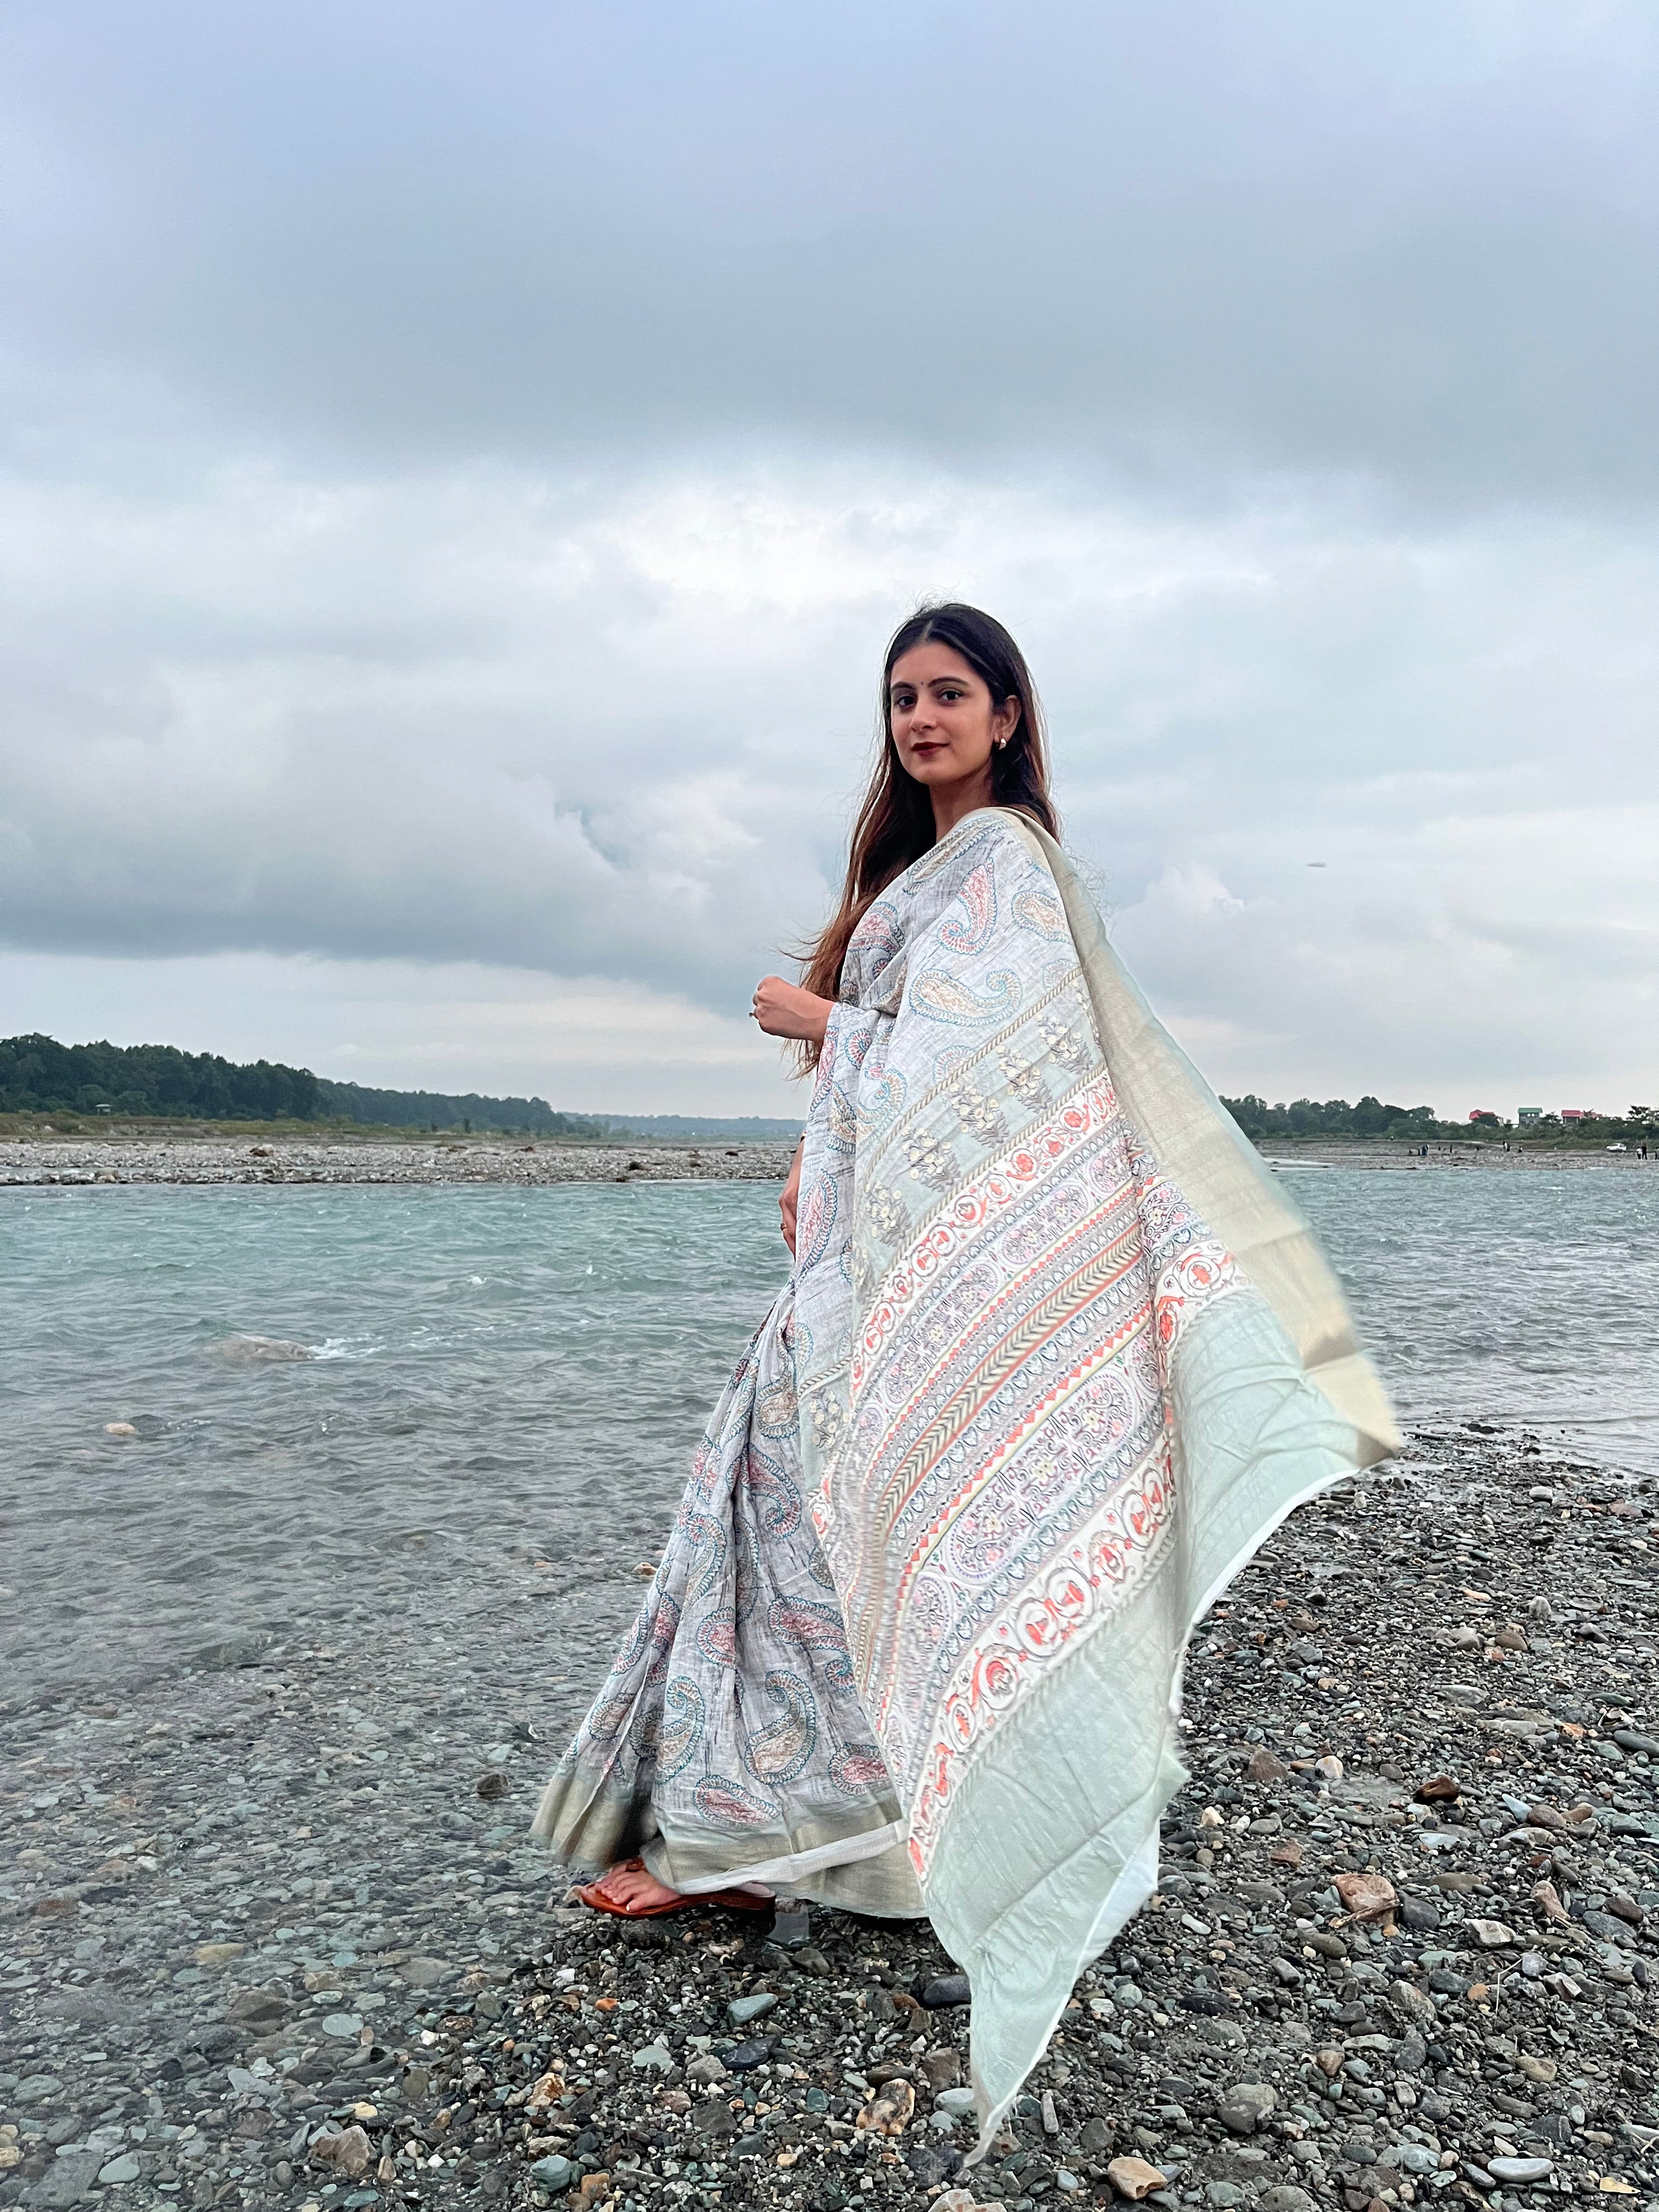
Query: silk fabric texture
{"points": [[1056, 1357]]}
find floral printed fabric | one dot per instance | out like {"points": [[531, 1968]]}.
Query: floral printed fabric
{"points": [[1055, 1359], [729, 1743]]}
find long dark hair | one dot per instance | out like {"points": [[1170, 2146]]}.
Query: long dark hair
{"points": [[895, 825]]}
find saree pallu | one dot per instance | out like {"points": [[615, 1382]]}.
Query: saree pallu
{"points": [[1056, 1357]]}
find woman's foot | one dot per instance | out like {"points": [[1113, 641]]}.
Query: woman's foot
{"points": [[632, 1894], [630, 1889]]}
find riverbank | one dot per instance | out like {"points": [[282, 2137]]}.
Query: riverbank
{"points": [[184, 1157], [332, 1159], [1289, 1153], [271, 1931]]}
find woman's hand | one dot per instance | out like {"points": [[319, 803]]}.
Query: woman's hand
{"points": [[784, 1010], [789, 1198]]}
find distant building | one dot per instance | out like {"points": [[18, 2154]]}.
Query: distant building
{"points": [[1481, 1113], [1578, 1113], [1528, 1113]]}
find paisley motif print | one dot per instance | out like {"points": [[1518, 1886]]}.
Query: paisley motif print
{"points": [[780, 1753], [859, 1770], [819, 1629], [730, 1712], [717, 1638], [968, 926], [707, 1552], [881, 1096], [815, 1224], [1041, 912], [776, 1497], [664, 1629], [728, 1805], [685, 1716], [608, 1718], [841, 1121], [879, 937], [777, 1413], [940, 996]]}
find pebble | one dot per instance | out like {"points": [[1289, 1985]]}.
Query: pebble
{"points": [[945, 1989], [1134, 2179], [1491, 1934], [742, 2010], [388, 1896], [1520, 2170], [746, 2056]]}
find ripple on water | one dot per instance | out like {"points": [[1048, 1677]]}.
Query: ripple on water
{"points": [[498, 1378]]}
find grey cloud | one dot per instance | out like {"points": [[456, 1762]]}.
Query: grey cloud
{"points": [[463, 465], [451, 720], [1418, 247]]}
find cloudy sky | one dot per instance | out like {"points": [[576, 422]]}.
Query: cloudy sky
{"points": [[461, 465]]}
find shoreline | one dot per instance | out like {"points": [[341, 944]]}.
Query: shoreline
{"points": [[1293, 1154], [74, 1161], [181, 1158], [273, 1932]]}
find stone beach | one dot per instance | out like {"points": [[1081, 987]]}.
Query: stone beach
{"points": [[181, 1157], [272, 1931]]}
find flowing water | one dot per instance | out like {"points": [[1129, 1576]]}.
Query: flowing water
{"points": [[505, 1379]]}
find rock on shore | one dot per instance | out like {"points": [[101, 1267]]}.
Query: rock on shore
{"points": [[271, 1934]]}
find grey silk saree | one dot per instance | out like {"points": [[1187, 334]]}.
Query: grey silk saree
{"points": [[1056, 1357]]}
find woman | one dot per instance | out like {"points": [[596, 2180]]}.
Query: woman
{"points": [[1054, 1358]]}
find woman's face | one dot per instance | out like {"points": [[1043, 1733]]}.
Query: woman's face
{"points": [[944, 720]]}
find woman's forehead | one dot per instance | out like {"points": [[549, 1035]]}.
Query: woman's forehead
{"points": [[930, 662]]}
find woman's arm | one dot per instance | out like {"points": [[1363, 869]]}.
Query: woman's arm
{"points": [[789, 1198], [784, 1010]]}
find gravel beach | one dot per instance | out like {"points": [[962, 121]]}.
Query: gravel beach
{"points": [[271, 1931], [187, 1159], [181, 1157]]}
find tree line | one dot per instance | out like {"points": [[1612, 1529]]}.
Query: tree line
{"points": [[38, 1075], [1373, 1117]]}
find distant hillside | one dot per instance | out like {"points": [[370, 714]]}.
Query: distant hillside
{"points": [[38, 1075], [437, 1109], [680, 1128]]}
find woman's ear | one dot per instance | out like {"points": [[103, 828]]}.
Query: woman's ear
{"points": [[1005, 721]]}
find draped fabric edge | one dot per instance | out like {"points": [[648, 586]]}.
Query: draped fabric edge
{"points": [[1138, 1882], [793, 1870], [1196, 1141], [1225, 1179]]}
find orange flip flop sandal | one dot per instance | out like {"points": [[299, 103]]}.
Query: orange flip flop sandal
{"points": [[734, 1900]]}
